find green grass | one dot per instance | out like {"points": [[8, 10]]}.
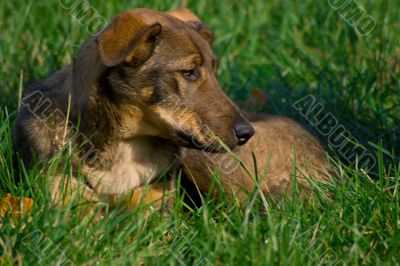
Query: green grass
{"points": [[286, 48]]}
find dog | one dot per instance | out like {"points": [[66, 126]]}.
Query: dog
{"points": [[139, 95]]}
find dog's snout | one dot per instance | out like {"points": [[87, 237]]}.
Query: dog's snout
{"points": [[244, 131]]}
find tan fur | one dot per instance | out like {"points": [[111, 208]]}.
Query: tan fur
{"points": [[147, 92], [278, 145], [184, 14], [135, 163]]}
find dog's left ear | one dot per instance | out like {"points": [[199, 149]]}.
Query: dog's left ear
{"points": [[128, 38], [193, 21]]}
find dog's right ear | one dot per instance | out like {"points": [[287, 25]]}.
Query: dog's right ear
{"points": [[127, 39]]}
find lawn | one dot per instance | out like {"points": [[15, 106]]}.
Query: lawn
{"points": [[292, 52]]}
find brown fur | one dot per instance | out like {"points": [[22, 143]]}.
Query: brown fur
{"points": [[278, 145], [143, 89]]}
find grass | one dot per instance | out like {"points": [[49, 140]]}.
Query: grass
{"points": [[287, 49]]}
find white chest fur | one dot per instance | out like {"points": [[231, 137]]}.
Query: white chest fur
{"points": [[131, 164]]}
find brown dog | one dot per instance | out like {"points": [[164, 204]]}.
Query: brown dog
{"points": [[133, 97]]}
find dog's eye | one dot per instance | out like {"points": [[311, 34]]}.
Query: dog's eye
{"points": [[191, 74]]}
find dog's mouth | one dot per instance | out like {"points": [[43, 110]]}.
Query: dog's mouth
{"points": [[191, 142]]}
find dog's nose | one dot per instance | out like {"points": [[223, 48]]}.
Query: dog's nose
{"points": [[244, 131]]}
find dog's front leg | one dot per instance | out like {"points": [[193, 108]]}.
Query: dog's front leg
{"points": [[65, 189], [154, 196], [158, 195]]}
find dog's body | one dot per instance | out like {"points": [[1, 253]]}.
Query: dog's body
{"points": [[140, 91], [279, 151]]}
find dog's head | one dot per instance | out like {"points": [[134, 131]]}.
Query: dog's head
{"points": [[159, 70]]}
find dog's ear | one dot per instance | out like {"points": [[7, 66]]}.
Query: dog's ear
{"points": [[127, 39], [193, 21]]}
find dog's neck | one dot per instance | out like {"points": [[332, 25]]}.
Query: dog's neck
{"points": [[105, 121], [124, 161]]}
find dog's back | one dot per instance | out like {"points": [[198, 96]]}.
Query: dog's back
{"points": [[279, 151]]}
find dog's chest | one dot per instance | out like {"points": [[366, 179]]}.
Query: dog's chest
{"points": [[131, 164]]}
